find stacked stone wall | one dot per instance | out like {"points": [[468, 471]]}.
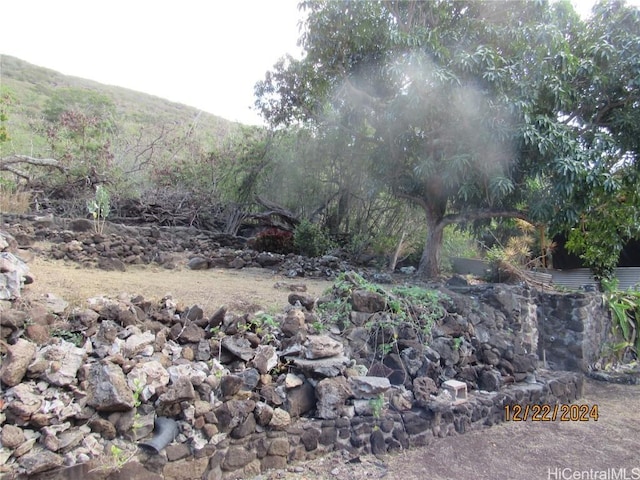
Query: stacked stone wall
{"points": [[574, 329], [248, 395]]}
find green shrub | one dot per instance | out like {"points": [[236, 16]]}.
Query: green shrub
{"points": [[625, 318], [311, 240], [99, 208]]}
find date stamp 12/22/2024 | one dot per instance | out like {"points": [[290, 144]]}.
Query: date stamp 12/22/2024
{"points": [[550, 413]]}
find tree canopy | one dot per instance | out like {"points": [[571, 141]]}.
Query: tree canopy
{"points": [[600, 176], [476, 110]]}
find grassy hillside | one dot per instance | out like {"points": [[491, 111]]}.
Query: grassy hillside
{"points": [[31, 87]]}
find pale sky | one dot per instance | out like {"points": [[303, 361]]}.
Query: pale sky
{"points": [[204, 53]]}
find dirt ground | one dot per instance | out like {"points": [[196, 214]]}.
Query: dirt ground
{"points": [[608, 448], [249, 288]]}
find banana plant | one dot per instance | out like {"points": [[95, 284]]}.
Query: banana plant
{"points": [[625, 316]]}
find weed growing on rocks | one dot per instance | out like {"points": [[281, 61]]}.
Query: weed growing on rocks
{"points": [[72, 337], [377, 405], [117, 458], [262, 324], [137, 401], [401, 308]]}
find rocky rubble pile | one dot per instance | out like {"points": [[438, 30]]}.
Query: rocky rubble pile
{"points": [[120, 246], [361, 369], [14, 272]]}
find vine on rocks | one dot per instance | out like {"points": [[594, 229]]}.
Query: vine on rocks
{"points": [[405, 306]]}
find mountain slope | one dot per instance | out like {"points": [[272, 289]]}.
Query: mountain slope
{"points": [[31, 87]]}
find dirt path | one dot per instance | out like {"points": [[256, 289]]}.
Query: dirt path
{"points": [[536, 450], [608, 448]]}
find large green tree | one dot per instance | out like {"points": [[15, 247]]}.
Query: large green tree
{"points": [[598, 177], [472, 110]]}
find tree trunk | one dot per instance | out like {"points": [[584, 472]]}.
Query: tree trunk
{"points": [[396, 254], [430, 261]]}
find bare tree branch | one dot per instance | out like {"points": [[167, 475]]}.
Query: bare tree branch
{"points": [[287, 218], [15, 171], [40, 162], [10, 164]]}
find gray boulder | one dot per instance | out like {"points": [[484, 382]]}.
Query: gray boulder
{"points": [[321, 346], [107, 389], [367, 387], [332, 394], [15, 364]]}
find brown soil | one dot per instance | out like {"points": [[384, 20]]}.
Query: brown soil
{"points": [[241, 290], [513, 450]]}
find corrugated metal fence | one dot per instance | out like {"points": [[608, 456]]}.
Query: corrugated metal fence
{"points": [[576, 278], [628, 277]]}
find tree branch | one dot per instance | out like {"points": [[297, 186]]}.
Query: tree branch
{"points": [[608, 108], [361, 97], [481, 214], [15, 171], [40, 162], [10, 164]]}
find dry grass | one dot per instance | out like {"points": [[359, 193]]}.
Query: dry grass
{"points": [[14, 202], [247, 289]]}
